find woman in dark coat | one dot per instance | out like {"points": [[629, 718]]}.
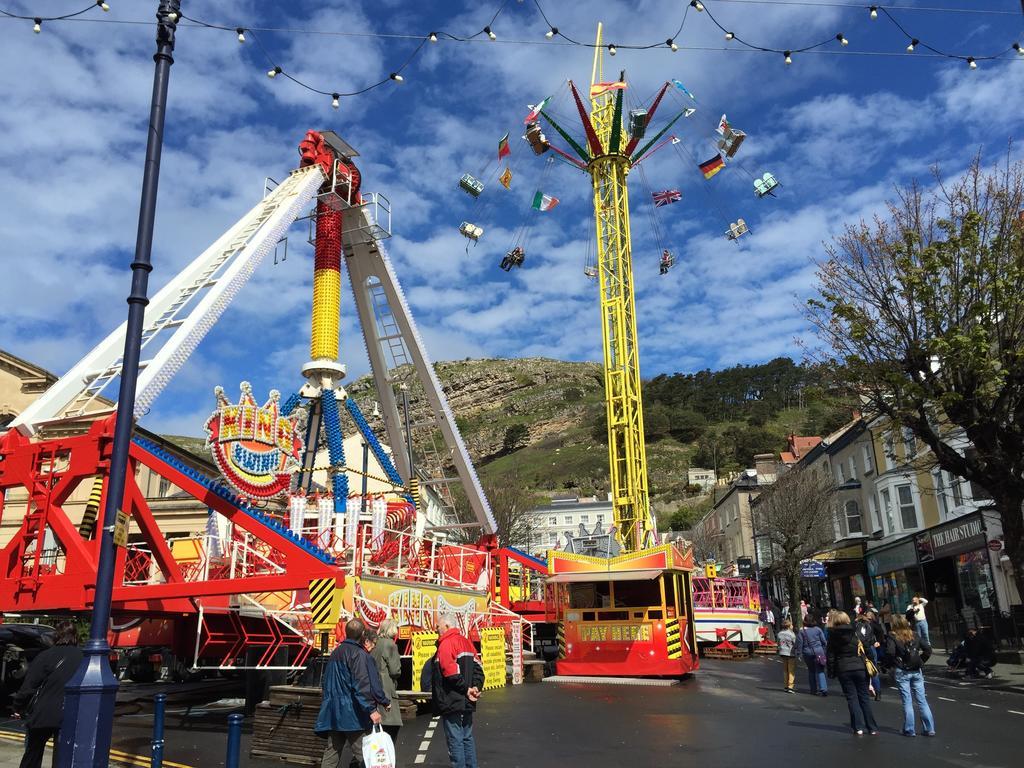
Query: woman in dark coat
{"points": [[846, 662], [389, 662], [40, 700]]}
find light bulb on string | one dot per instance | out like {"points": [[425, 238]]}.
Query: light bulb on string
{"points": [[104, 6], [335, 100], [397, 77], [873, 12], [490, 34], [913, 45], [272, 73], [788, 57], [672, 44], [551, 33], [1018, 48], [172, 16], [432, 37], [971, 62], [611, 49], [842, 40], [37, 25], [729, 35], [697, 5], [241, 34]]}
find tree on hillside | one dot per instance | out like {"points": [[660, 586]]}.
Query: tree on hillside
{"points": [[925, 308], [515, 437], [686, 424], [511, 502], [794, 518], [656, 421]]}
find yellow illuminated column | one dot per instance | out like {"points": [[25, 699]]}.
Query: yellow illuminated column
{"points": [[323, 344]]}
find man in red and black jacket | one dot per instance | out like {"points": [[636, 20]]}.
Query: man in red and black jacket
{"points": [[455, 685]]}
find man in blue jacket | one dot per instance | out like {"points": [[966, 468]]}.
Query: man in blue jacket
{"points": [[349, 707]]}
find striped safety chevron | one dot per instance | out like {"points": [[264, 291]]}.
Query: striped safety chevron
{"points": [[673, 640], [323, 606], [92, 507], [561, 640]]}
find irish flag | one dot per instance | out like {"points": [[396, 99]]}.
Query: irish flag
{"points": [[542, 202], [536, 110], [503, 148]]}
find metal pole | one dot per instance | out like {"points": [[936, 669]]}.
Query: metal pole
{"points": [[234, 741], [408, 431], [157, 759], [366, 468], [89, 700]]}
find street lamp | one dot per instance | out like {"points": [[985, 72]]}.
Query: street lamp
{"points": [[91, 693]]}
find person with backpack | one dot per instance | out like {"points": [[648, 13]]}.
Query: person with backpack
{"points": [[787, 652], [456, 680], [869, 633], [846, 660], [810, 644], [908, 652]]}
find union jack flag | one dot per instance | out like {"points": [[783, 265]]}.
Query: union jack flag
{"points": [[666, 197]]}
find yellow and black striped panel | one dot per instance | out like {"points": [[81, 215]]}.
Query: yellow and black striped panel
{"points": [[88, 525], [322, 603], [414, 491], [673, 640], [561, 640]]}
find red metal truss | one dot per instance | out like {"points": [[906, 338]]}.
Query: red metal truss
{"points": [[36, 578]]}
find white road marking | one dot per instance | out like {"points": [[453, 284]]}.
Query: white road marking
{"points": [[421, 758], [1014, 712], [945, 699], [424, 745], [980, 706]]}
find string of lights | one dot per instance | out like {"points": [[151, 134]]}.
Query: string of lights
{"points": [[555, 36]]}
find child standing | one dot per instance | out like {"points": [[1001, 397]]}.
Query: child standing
{"points": [[787, 652]]}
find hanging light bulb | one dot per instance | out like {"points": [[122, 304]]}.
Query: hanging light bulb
{"points": [[1020, 50], [698, 5], [37, 27], [729, 35], [788, 57], [397, 77], [842, 40], [672, 44], [913, 45], [104, 6], [241, 34], [172, 16], [611, 49], [490, 34], [874, 11], [272, 73], [971, 62], [432, 37], [335, 100], [551, 33]]}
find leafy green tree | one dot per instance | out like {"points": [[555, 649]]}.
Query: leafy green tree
{"points": [[656, 421], [924, 307], [686, 425], [515, 437]]}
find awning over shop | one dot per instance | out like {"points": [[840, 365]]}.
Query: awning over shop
{"points": [[563, 578]]}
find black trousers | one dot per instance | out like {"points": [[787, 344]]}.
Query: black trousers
{"points": [[35, 746], [855, 688]]}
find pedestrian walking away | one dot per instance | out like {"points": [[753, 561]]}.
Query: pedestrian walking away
{"points": [[787, 652], [456, 681], [389, 664], [349, 706], [907, 653], [810, 646], [40, 700], [869, 632], [846, 660], [920, 618]]}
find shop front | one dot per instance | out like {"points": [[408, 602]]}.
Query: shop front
{"points": [[844, 568], [895, 576], [957, 569]]}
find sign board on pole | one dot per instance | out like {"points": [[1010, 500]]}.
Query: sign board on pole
{"points": [[121, 529], [812, 569], [996, 545], [517, 652], [492, 656]]}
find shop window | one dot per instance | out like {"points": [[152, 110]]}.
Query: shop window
{"points": [[869, 465], [637, 594], [890, 523], [908, 512], [853, 522], [594, 594]]}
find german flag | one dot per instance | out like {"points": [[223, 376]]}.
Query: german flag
{"points": [[710, 167]]}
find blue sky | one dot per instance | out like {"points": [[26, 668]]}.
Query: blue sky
{"points": [[837, 130]]}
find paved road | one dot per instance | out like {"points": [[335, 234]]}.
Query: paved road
{"points": [[729, 713]]}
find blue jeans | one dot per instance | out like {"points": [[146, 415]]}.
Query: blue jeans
{"points": [[815, 675], [911, 685], [458, 732], [921, 629]]}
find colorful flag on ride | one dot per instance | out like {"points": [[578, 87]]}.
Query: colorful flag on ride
{"points": [[666, 197], [710, 167], [682, 88], [535, 110], [723, 126], [542, 202], [598, 88], [506, 178], [503, 148], [676, 139], [688, 111]]}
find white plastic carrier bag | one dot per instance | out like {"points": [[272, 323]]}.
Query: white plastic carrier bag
{"points": [[378, 749]]}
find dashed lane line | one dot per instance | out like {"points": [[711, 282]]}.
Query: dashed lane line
{"points": [[979, 706], [1014, 712], [943, 698], [421, 753]]}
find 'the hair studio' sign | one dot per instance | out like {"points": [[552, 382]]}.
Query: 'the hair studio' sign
{"points": [[963, 535]]}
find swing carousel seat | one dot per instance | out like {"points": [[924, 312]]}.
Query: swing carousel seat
{"points": [[472, 231], [513, 258], [637, 123], [667, 261], [765, 185], [536, 138], [590, 271], [471, 184], [730, 142], [736, 229]]}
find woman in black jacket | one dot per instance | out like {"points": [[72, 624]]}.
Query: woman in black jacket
{"points": [[846, 662], [40, 701]]}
